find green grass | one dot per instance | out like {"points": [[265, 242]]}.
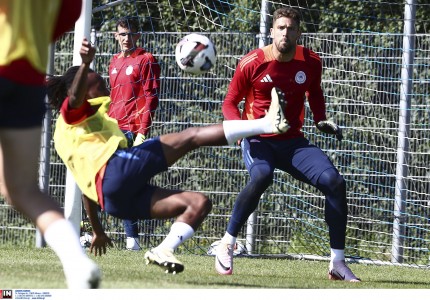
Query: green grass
{"points": [[30, 268]]}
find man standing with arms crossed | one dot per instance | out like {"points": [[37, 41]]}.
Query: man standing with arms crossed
{"points": [[297, 72], [134, 76]]}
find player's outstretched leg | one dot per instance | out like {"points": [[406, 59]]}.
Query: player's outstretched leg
{"points": [[338, 270], [164, 258]]}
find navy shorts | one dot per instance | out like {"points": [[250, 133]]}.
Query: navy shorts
{"points": [[21, 106], [298, 157], [126, 190]]}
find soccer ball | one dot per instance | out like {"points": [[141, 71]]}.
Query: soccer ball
{"points": [[195, 54], [86, 240]]}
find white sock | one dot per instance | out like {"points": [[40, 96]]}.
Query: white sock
{"points": [[229, 239], [179, 233], [131, 243], [78, 268], [63, 239], [235, 130], [337, 254], [61, 236]]}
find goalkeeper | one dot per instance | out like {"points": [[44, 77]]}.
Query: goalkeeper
{"points": [[134, 76], [116, 177], [297, 71]]}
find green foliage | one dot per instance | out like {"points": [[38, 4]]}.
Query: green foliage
{"points": [[244, 16], [329, 16], [344, 16], [177, 16]]}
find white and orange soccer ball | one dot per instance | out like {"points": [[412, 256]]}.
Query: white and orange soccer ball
{"points": [[195, 54]]}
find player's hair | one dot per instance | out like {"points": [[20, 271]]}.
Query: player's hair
{"points": [[287, 12], [57, 87], [129, 23]]}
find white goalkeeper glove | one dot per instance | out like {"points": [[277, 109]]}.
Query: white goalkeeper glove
{"points": [[330, 127], [140, 138]]}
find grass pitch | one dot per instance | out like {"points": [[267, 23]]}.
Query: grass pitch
{"points": [[32, 268]]}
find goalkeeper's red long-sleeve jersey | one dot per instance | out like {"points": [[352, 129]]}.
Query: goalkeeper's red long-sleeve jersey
{"points": [[134, 83], [258, 72]]}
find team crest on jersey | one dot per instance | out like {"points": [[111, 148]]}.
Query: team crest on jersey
{"points": [[129, 70], [300, 77]]}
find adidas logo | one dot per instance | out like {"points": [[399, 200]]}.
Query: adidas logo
{"points": [[266, 78]]}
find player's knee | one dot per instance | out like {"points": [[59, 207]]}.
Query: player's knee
{"points": [[261, 175], [331, 180], [202, 205]]}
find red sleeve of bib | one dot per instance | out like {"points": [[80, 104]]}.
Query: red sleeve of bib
{"points": [[76, 115]]}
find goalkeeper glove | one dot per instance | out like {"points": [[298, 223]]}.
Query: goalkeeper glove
{"points": [[140, 138], [330, 127]]}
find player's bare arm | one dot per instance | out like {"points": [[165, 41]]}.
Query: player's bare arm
{"points": [[78, 90], [100, 240]]}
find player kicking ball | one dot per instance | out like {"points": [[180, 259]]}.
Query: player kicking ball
{"points": [[116, 178]]}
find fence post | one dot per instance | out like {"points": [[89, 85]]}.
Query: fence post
{"points": [[262, 41], [72, 202], [404, 132], [45, 147]]}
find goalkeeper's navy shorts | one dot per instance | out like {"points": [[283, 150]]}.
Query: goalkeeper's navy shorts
{"points": [[126, 189], [297, 156], [21, 106]]}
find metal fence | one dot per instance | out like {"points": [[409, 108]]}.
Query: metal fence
{"points": [[362, 88]]}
